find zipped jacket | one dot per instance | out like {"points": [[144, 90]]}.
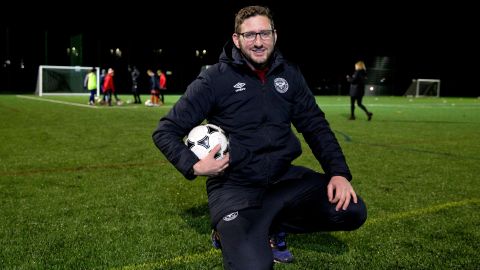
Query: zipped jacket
{"points": [[257, 117]]}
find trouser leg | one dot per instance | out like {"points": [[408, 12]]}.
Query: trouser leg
{"points": [[296, 206], [360, 104], [352, 107], [307, 209], [244, 240], [92, 96], [108, 98]]}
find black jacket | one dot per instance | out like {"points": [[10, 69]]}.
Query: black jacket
{"points": [[257, 118], [357, 83]]}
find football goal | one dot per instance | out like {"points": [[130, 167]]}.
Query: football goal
{"points": [[63, 80], [424, 88]]}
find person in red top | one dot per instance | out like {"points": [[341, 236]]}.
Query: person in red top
{"points": [[163, 83], [108, 86]]}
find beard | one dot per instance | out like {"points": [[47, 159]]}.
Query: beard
{"points": [[257, 63]]}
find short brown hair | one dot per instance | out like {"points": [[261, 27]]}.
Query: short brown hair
{"points": [[251, 11]]}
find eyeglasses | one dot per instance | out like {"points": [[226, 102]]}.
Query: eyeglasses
{"points": [[251, 36]]}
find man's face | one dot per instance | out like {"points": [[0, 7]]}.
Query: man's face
{"points": [[256, 40]]}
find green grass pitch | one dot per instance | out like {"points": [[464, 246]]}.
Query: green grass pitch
{"points": [[84, 187]]}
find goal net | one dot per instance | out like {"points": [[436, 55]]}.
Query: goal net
{"points": [[424, 88], [63, 80]]}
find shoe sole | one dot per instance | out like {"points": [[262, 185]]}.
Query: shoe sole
{"points": [[277, 261]]}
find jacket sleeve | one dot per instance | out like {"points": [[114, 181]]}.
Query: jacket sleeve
{"points": [[310, 120], [190, 110]]}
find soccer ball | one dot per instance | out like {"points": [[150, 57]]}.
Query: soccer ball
{"points": [[203, 138]]}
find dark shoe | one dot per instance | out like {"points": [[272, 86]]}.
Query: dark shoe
{"points": [[369, 116], [215, 240], [351, 118], [279, 248]]}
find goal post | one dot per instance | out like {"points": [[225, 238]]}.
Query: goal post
{"points": [[63, 80], [424, 88], [428, 87]]}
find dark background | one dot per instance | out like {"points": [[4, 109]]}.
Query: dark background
{"points": [[405, 40]]}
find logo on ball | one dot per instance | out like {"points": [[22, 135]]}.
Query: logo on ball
{"points": [[203, 138]]}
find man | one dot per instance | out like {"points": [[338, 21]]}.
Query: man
{"points": [[255, 192]]}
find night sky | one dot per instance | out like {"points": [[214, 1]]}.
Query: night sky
{"points": [[325, 39]]}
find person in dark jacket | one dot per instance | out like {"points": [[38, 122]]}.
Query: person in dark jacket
{"points": [[255, 192], [154, 89], [357, 89], [135, 75]]}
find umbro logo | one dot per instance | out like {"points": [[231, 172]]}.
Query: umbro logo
{"points": [[239, 87], [230, 216]]}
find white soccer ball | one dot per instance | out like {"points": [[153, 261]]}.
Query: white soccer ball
{"points": [[203, 138]]}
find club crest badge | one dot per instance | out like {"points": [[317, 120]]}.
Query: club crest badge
{"points": [[281, 85]]}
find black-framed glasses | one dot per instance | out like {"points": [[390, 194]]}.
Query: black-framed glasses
{"points": [[251, 36]]}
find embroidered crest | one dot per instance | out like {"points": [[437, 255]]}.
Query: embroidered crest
{"points": [[281, 85]]}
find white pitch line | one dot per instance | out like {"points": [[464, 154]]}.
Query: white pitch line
{"points": [[423, 211], [58, 101], [84, 105]]}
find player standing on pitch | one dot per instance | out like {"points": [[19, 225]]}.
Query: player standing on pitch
{"points": [[255, 194]]}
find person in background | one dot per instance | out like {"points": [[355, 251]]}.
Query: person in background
{"points": [[357, 89], [255, 194], [162, 79], [154, 89], [109, 86], [135, 74], [90, 83], [103, 74]]}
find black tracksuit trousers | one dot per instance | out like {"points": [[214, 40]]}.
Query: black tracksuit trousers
{"points": [[296, 206]]}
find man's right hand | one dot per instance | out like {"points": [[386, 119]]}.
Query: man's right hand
{"points": [[209, 166]]}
